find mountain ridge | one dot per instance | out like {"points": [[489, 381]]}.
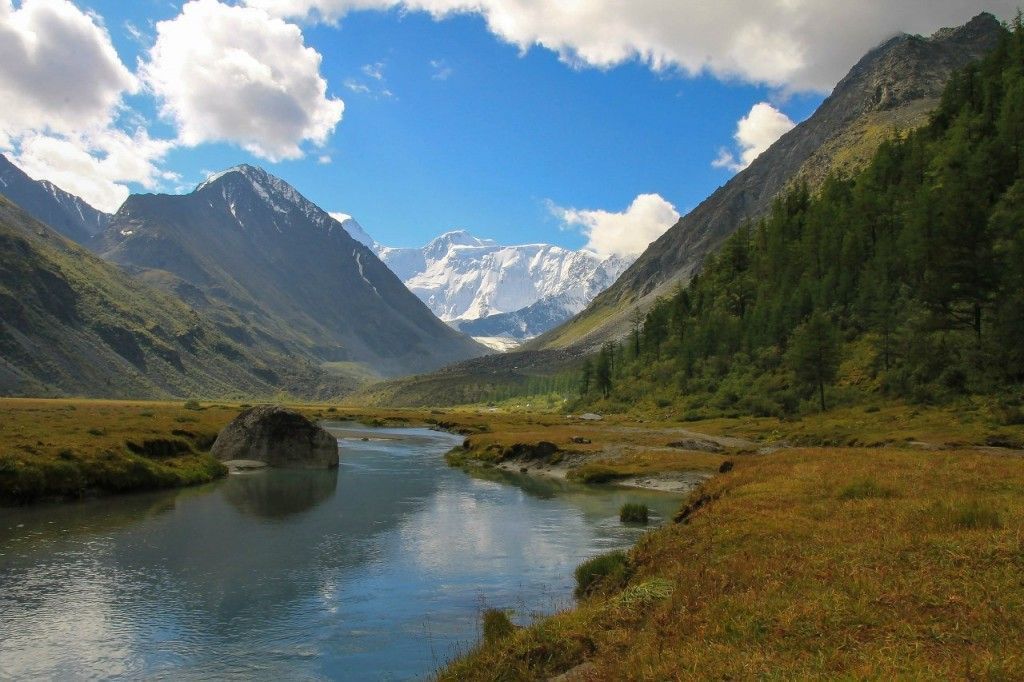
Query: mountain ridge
{"points": [[66, 213], [275, 269]]}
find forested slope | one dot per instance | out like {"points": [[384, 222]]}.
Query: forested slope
{"points": [[906, 279]]}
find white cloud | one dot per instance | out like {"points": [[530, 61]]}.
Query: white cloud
{"points": [[58, 69], [755, 132], [374, 71], [324, 159], [95, 166], [626, 233], [794, 44], [235, 74], [442, 71]]}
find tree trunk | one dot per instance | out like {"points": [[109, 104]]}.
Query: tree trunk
{"points": [[821, 394]]}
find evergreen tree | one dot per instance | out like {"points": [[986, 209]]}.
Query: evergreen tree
{"points": [[814, 354]]}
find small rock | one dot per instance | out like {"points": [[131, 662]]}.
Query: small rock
{"points": [[580, 440], [726, 467], [590, 416], [522, 470]]}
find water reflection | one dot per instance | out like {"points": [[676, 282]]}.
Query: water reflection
{"points": [[376, 571], [279, 494]]}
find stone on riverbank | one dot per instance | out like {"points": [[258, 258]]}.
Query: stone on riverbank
{"points": [[279, 438]]}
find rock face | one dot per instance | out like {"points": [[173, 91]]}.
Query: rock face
{"points": [[279, 437]]}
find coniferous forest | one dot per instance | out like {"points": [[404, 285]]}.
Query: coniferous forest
{"points": [[904, 281]]}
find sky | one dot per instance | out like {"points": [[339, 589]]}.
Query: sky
{"points": [[590, 123]]}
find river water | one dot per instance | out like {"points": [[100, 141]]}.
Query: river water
{"points": [[376, 571]]}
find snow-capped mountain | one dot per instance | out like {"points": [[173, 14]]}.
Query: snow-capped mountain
{"points": [[490, 290]]}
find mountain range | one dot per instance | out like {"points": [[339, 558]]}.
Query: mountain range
{"points": [[274, 280], [494, 292], [891, 90]]}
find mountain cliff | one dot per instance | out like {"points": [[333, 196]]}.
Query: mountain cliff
{"points": [[893, 87], [69, 215], [276, 271]]}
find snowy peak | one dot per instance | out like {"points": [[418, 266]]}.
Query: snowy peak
{"points": [[247, 190], [513, 291], [356, 231], [440, 246]]}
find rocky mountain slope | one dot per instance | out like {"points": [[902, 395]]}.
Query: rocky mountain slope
{"points": [[489, 290], [66, 213], [276, 271], [893, 87], [72, 324]]}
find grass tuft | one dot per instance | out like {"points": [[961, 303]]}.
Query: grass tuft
{"points": [[606, 572], [496, 625], [866, 489], [634, 513]]}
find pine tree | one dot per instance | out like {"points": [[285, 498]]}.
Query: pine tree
{"points": [[814, 354]]}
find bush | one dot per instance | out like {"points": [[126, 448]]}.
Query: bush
{"points": [[496, 625], [606, 572], [633, 513], [193, 404]]}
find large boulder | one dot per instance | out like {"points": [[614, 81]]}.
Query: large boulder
{"points": [[278, 437]]}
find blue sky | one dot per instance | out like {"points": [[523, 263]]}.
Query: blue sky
{"points": [[448, 125]]}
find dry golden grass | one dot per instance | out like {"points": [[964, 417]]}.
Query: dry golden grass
{"points": [[810, 563], [71, 448]]}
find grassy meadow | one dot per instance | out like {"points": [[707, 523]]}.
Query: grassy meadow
{"points": [[807, 563]]}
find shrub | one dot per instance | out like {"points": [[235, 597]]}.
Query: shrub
{"points": [[497, 625], [192, 404], [633, 513], [97, 432], [607, 571]]}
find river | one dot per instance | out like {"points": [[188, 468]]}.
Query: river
{"points": [[377, 571]]}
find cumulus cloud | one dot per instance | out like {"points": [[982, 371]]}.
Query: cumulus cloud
{"points": [[58, 69], [96, 166], [626, 233], [755, 132], [234, 74], [797, 45]]}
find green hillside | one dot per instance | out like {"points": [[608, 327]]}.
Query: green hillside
{"points": [[905, 280], [72, 324]]}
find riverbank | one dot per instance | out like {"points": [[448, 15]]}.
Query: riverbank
{"points": [[62, 449], [806, 563]]}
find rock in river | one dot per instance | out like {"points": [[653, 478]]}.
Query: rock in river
{"points": [[278, 437]]}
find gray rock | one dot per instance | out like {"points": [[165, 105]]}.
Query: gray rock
{"points": [[278, 437]]}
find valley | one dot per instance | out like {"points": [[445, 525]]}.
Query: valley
{"points": [[782, 438]]}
